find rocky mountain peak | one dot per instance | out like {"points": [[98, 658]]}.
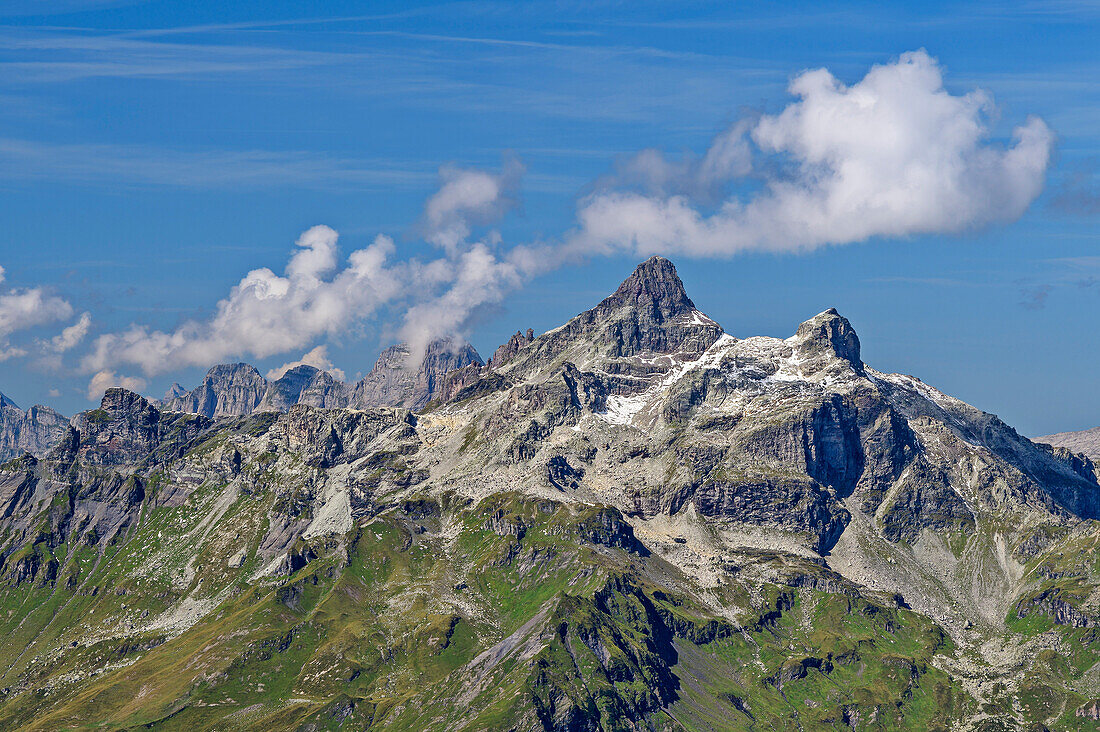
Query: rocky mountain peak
{"points": [[654, 286], [5, 402], [174, 391], [123, 403], [830, 333], [228, 389], [304, 384], [649, 313], [34, 430], [395, 382]]}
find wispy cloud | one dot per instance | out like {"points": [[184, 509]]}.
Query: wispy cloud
{"points": [[142, 165], [63, 54]]}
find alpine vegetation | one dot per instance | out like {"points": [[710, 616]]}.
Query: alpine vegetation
{"points": [[634, 521]]}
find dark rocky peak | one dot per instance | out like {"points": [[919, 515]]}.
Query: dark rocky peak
{"points": [[124, 429], [304, 384], [5, 402], [174, 391], [123, 404], [654, 287], [830, 334], [649, 313], [396, 382], [127, 429], [505, 352], [228, 389]]}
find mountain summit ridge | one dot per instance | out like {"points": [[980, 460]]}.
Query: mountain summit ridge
{"points": [[634, 521]]}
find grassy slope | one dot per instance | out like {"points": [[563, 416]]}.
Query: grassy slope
{"points": [[385, 628]]}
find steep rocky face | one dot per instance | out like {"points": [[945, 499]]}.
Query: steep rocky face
{"points": [[395, 382], [304, 385], [649, 314], [175, 391], [127, 429], [227, 390], [506, 351], [1086, 442], [35, 430], [234, 390], [635, 521]]}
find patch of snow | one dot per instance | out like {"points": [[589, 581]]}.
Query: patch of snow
{"points": [[697, 318], [621, 410]]}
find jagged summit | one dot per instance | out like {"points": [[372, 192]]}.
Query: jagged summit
{"points": [[830, 333], [174, 391], [654, 284], [33, 430], [395, 382], [649, 313], [227, 390], [6, 402]]}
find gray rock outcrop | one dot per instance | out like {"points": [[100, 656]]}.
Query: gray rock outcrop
{"points": [[34, 430], [395, 382]]}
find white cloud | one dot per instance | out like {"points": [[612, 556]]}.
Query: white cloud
{"points": [[54, 393], [25, 308], [104, 380], [72, 336], [650, 171], [893, 155], [480, 278], [317, 358], [266, 314], [466, 198]]}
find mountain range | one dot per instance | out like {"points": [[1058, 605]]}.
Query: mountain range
{"points": [[1084, 441], [35, 430], [635, 521], [398, 379]]}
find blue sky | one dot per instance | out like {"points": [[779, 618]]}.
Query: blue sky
{"points": [[152, 154]]}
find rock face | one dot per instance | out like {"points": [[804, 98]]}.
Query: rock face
{"points": [[228, 390], [304, 385], [35, 430], [234, 390], [1086, 442], [394, 382], [635, 521], [650, 312]]}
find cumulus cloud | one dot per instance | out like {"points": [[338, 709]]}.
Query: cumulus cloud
{"points": [[104, 380], [893, 155], [481, 278], [469, 197], [316, 297], [265, 313], [25, 308], [317, 358], [71, 337]]}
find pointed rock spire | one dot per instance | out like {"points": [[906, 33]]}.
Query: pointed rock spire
{"points": [[654, 286], [830, 334], [228, 389], [394, 382]]}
